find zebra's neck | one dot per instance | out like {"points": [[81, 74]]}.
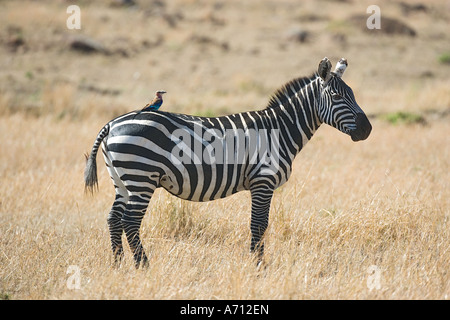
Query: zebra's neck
{"points": [[293, 110]]}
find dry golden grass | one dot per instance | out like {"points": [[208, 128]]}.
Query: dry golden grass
{"points": [[348, 206], [382, 202]]}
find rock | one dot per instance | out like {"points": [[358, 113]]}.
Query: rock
{"points": [[298, 35], [394, 26], [208, 41], [85, 44], [412, 8], [389, 26], [15, 38], [122, 3]]}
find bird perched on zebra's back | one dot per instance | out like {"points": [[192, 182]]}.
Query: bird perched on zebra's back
{"points": [[156, 102]]}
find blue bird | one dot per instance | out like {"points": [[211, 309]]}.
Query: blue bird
{"points": [[156, 102]]}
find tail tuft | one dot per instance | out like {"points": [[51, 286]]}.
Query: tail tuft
{"points": [[90, 174]]}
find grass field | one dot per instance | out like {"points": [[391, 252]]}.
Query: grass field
{"points": [[366, 220]]}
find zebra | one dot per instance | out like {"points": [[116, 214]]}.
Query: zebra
{"points": [[139, 147]]}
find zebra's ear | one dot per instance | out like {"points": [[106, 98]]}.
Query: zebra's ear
{"points": [[340, 67], [324, 69]]}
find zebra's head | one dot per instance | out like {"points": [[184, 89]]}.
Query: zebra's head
{"points": [[337, 106]]}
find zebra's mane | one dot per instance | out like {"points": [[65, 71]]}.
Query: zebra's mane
{"points": [[282, 94]]}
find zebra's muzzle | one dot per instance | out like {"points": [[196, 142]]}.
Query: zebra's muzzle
{"points": [[363, 128]]}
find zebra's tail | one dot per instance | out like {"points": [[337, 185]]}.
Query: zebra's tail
{"points": [[90, 172]]}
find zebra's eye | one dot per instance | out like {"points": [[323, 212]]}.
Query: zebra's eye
{"points": [[336, 96]]}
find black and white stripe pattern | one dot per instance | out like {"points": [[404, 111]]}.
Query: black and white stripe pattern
{"points": [[148, 150]]}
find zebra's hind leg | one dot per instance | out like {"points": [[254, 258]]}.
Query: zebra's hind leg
{"points": [[261, 198], [115, 226], [131, 221], [115, 216]]}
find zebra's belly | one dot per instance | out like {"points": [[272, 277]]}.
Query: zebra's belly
{"points": [[205, 183], [197, 198]]}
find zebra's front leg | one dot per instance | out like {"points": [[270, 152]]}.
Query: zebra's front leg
{"points": [[131, 223], [261, 198]]}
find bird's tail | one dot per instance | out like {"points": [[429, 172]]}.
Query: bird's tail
{"points": [[90, 172]]}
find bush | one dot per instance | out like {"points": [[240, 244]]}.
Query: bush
{"points": [[444, 58], [403, 117]]}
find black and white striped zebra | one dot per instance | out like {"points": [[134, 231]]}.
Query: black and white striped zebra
{"points": [[192, 159]]}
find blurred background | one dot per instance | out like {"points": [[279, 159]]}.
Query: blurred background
{"points": [[218, 57]]}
